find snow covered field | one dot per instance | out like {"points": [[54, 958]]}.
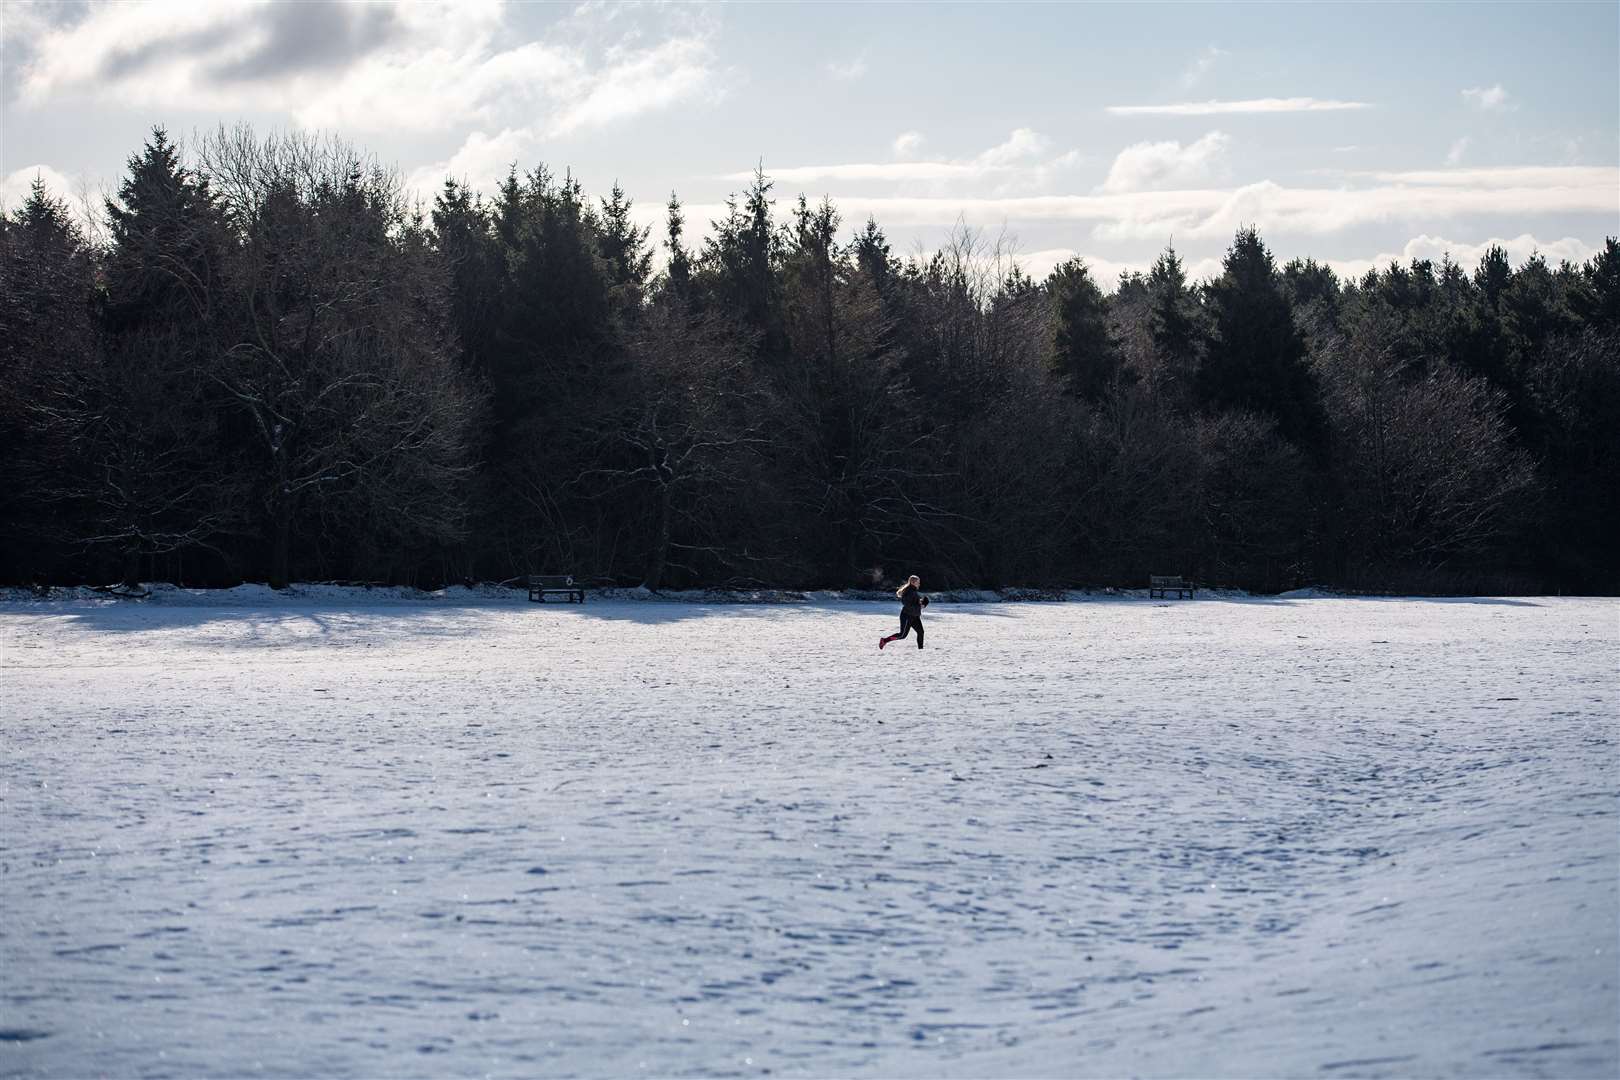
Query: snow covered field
{"points": [[1220, 837]]}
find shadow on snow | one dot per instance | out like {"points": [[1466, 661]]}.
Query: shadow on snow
{"points": [[435, 619]]}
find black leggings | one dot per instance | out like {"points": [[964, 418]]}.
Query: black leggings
{"points": [[907, 621]]}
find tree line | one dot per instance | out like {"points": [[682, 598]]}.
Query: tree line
{"points": [[273, 366]]}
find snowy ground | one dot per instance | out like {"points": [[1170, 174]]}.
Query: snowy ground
{"points": [[1219, 837]]}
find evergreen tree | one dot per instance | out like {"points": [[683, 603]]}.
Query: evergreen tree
{"points": [[851, 449], [1176, 323], [49, 352], [875, 259], [1256, 357], [742, 261], [167, 235], [164, 458], [679, 272], [1493, 276], [1535, 309], [1307, 282], [467, 248], [555, 360], [1598, 305], [1083, 354], [624, 246]]}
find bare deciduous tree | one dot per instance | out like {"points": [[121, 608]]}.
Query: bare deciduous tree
{"points": [[1426, 462], [689, 420], [336, 355], [140, 438]]}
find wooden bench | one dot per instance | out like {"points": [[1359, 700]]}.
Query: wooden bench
{"points": [[1161, 584], [544, 585]]}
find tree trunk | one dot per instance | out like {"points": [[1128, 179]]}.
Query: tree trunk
{"points": [[132, 567], [280, 545], [660, 552]]}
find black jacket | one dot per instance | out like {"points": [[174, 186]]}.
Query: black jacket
{"points": [[911, 600]]}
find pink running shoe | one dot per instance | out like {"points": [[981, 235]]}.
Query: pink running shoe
{"points": [[882, 641]]}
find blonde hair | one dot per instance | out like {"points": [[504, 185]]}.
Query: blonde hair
{"points": [[909, 580]]}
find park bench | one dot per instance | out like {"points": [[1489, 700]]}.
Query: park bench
{"points": [[1161, 584], [544, 585]]}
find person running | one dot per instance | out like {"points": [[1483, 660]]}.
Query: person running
{"points": [[912, 601]]}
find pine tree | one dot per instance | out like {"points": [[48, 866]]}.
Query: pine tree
{"points": [[1084, 355], [679, 272], [464, 237], [167, 234], [1256, 357], [873, 256], [1493, 276], [1306, 282], [49, 352], [1599, 303], [624, 246], [170, 481], [742, 262], [1174, 322], [850, 445]]}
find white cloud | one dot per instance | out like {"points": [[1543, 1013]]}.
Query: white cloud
{"points": [[23, 22], [877, 170], [847, 70], [482, 162], [1201, 66], [906, 145], [1021, 146], [1276, 209], [15, 187], [1502, 176], [1486, 98], [1018, 158], [366, 67], [1273, 207], [1039, 264], [1254, 105], [635, 81], [1279, 209], [1433, 248], [1148, 165], [1458, 149], [1106, 272]]}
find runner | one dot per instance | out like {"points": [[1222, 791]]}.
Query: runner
{"points": [[912, 601]]}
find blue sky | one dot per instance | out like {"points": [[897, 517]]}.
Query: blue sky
{"points": [[1354, 133]]}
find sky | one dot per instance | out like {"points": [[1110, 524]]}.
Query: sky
{"points": [[1355, 134]]}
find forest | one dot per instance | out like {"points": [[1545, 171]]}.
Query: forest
{"points": [[272, 365]]}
